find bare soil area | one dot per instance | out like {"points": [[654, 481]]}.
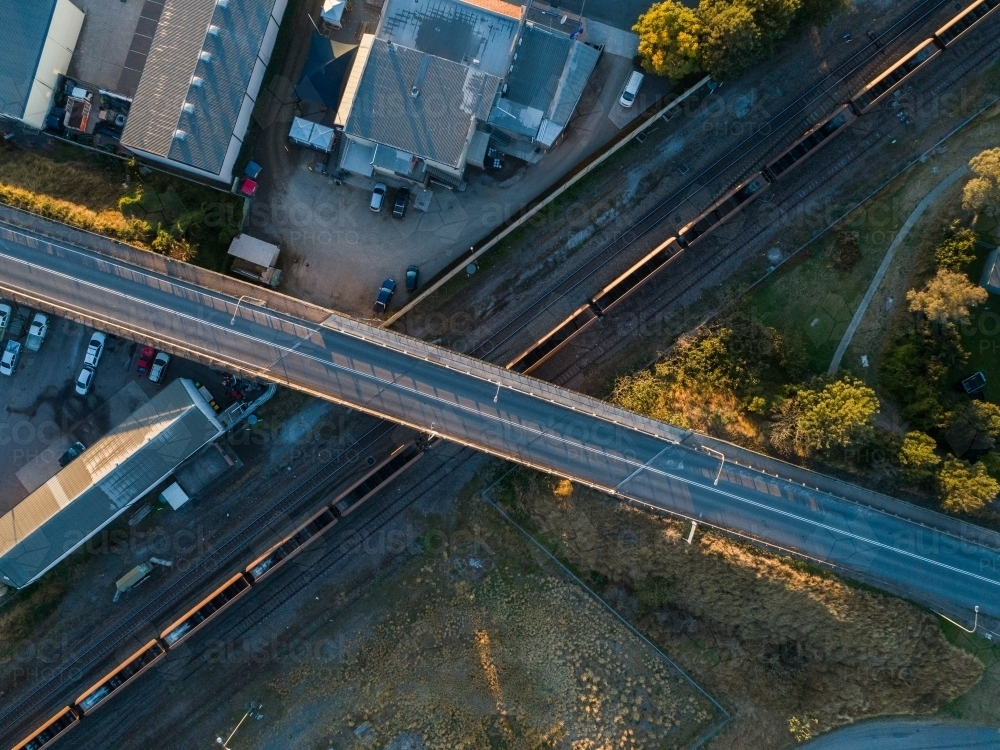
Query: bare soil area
{"points": [[795, 650]]}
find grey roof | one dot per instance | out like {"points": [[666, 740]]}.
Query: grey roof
{"points": [[541, 57], [175, 58], [22, 37], [435, 124], [991, 273], [580, 64], [109, 476], [462, 32]]}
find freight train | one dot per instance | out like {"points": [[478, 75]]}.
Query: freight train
{"points": [[735, 200], [213, 605]]}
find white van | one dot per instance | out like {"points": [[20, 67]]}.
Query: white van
{"points": [[627, 99]]}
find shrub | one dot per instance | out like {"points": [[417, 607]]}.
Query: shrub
{"points": [[965, 488]]}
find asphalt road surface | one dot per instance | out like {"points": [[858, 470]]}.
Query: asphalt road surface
{"points": [[527, 421], [909, 735]]}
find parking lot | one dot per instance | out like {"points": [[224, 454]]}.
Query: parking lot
{"points": [[336, 251], [43, 415]]}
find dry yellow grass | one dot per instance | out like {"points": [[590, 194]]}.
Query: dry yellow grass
{"points": [[797, 651], [485, 646]]}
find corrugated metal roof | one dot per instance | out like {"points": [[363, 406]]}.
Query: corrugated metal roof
{"points": [[541, 57], [175, 58], [580, 64], [436, 123], [25, 24], [103, 481]]}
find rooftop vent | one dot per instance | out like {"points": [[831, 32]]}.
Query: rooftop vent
{"points": [[196, 82], [206, 56], [414, 92], [213, 30], [188, 108], [180, 135]]}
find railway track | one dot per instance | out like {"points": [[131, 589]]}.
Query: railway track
{"points": [[124, 628], [498, 347], [119, 722], [645, 306]]}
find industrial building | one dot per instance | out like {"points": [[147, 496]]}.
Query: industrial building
{"points": [[200, 82], [37, 39], [108, 477], [441, 80]]}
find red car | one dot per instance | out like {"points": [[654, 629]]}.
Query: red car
{"points": [[145, 359]]}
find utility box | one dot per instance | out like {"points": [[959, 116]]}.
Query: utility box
{"points": [[134, 577], [174, 496]]}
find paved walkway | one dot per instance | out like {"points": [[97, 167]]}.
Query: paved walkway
{"points": [[859, 314]]}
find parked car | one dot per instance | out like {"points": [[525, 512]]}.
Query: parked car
{"points": [[384, 295], [8, 363], [84, 381], [72, 452], [411, 278], [627, 99], [145, 359], [37, 332], [160, 363], [19, 323], [399, 207], [5, 315], [94, 350], [378, 196]]}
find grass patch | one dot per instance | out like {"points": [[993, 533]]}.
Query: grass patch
{"points": [[101, 194], [784, 642], [979, 704]]}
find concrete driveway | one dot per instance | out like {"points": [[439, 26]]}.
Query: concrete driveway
{"points": [[337, 251]]}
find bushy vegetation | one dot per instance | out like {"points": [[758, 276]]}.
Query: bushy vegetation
{"points": [[167, 215], [721, 37]]}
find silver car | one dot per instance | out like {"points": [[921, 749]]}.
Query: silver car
{"points": [[5, 313], [84, 381], [8, 363], [94, 350]]}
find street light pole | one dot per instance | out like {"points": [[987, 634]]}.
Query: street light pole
{"points": [[225, 743], [256, 301]]}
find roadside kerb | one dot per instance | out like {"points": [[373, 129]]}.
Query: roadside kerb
{"points": [[530, 212]]}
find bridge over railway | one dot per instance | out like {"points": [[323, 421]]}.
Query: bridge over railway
{"points": [[216, 319]]}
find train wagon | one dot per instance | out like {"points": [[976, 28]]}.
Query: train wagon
{"points": [[554, 340], [723, 209], [212, 605], [55, 728], [817, 136], [145, 658], [292, 545], [965, 20], [634, 277], [889, 81], [383, 473]]}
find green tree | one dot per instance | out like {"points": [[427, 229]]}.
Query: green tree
{"points": [[957, 250], [965, 488], [731, 40], [917, 456], [946, 298], [973, 426], [837, 415], [669, 40], [774, 19], [982, 192]]}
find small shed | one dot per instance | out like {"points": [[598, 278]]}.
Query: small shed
{"points": [[991, 273], [255, 259], [174, 496], [311, 135], [333, 12]]}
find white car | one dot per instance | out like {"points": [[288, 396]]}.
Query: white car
{"points": [[94, 350], [8, 363], [5, 313], [378, 196], [84, 381], [159, 367]]}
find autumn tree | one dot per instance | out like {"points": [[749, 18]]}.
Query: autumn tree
{"points": [[918, 457], [965, 487], [982, 192], [946, 298], [973, 426], [669, 40]]}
